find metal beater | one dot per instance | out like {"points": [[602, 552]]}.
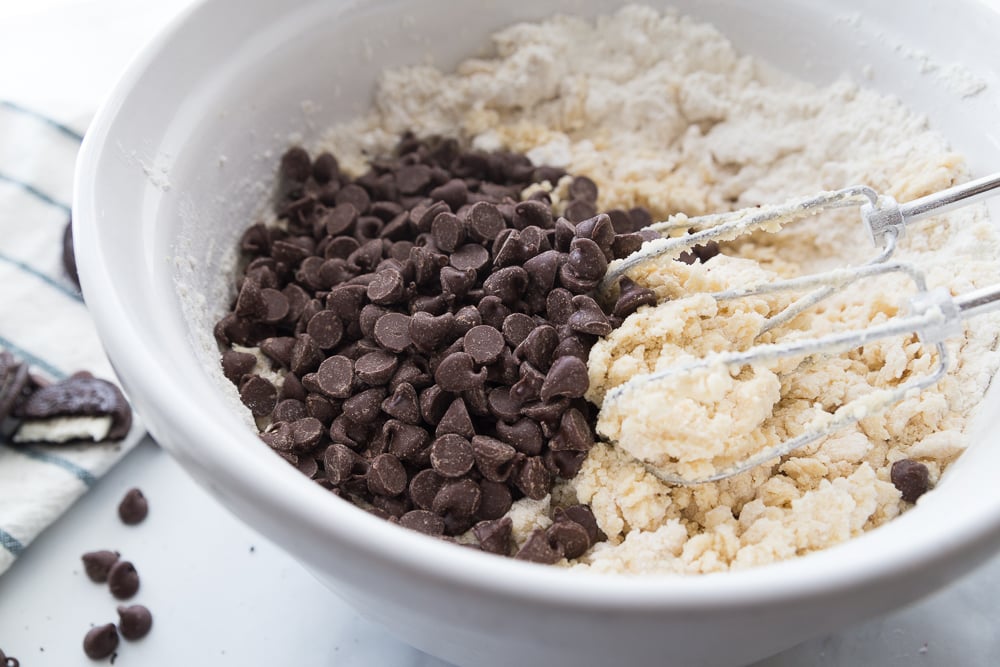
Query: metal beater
{"points": [[934, 315]]}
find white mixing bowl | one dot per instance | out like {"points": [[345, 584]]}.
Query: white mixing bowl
{"points": [[178, 161]]}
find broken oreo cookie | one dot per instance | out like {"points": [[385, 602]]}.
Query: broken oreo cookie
{"points": [[80, 407]]}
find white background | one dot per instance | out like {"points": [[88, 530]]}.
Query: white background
{"points": [[221, 594]]}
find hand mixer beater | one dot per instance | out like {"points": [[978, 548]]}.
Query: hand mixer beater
{"points": [[933, 315]]}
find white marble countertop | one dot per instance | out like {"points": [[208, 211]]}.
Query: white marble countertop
{"points": [[220, 593]]}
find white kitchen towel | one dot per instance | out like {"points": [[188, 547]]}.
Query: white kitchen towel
{"points": [[43, 319]]}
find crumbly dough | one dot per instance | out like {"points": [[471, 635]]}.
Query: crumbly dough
{"points": [[661, 111]]}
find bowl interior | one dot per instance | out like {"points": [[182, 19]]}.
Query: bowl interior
{"points": [[183, 158]]}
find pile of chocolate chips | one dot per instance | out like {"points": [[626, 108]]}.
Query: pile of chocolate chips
{"points": [[432, 330]]}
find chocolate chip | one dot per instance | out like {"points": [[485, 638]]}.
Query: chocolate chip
{"points": [[569, 537], [456, 373], [507, 284], [484, 344], [559, 306], [376, 368], [588, 317], [101, 641], [448, 232], [494, 535], [460, 498], [496, 500], [492, 311], [387, 288], [234, 365], [326, 329], [572, 346], [306, 433], [341, 220], [911, 478], [316, 406], [533, 213], [583, 188], [538, 550], [354, 195], [586, 259], [538, 347], [325, 168], [631, 297], [295, 165], [430, 333], [584, 516], [392, 332], [344, 431], [456, 420], [259, 395], [403, 404], [404, 441], [423, 216], [423, 521], [574, 432], [485, 221], [306, 355], [338, 462], [335, 377], [364, 407], [455, 283], [279, 438], [533, 478], [542, 271], [386, 476], [567, 377], [579, 210], [413, 178], [572, 281], [133, 508], [494, 459], [134, 622], [524, 435], [97, 564], [470, 256], [454, 193], [424, 488], [123, 580], [451, 455]]}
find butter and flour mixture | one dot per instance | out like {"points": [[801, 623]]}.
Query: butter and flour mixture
{"points": [[662, 112]]}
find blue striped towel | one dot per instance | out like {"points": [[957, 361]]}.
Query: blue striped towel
{"points": [[43, 320]]}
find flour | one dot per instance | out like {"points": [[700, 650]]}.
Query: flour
{"points": [[662, 112]]}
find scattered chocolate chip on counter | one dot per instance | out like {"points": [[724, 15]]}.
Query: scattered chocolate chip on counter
{"points": [[123, 580], [134, 621], [97, 564], [911, 478], [101, 641], [133, 508], [427, 332]]}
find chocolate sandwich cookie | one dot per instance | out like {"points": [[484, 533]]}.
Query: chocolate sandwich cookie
{"points": [[13, 381], [79, 396]]}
